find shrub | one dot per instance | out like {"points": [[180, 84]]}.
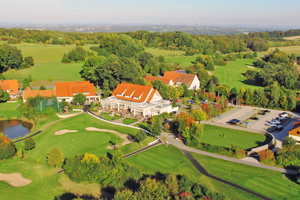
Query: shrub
{"points": [[7, 148], [266, 156]]}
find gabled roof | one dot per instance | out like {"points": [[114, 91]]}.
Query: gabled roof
{"points": [[69, 89], [27, 88], [34, 93], [10, 85], [133, 92], [152, 78], [172, 75], [180, 77]]}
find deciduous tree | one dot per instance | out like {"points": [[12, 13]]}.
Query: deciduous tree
{"points": [[55, 157], [29, 144]]}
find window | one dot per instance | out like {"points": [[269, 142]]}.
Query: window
{"points": [[119, 95], [12, 90], [298, 132]]}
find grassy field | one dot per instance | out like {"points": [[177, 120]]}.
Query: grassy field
{"points": [[184, 61], [214, 135], [47, 62], [129, 120], [288, 50], [167, 53], [8, 110], [232, 75], [292, 38], [171, 160], [108, 117], [266, 182]]}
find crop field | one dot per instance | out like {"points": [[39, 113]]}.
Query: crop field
{"points": [[47, 63], [225, 137], [232, 75], [292, 38], [266, 182]]}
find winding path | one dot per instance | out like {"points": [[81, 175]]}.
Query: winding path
{"points": [[205, 173]]}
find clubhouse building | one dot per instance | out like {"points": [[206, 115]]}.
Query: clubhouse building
{"points": [[138, 100]]}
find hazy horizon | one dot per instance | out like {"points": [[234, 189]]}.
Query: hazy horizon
{"points": [[233, 12]]}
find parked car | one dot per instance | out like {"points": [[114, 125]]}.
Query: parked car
{"points": [[271, 124], [279, 127], [254, 118], [266, 111], [232, 122], [284, 114], [274, 121], [218, 116], [262, 113], [245, 123], [236, 120]]}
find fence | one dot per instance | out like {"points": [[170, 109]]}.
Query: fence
{"points": [[152, 142], [92, 114], [42, 104]]}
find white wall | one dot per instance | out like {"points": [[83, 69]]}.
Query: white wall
{"points": [[195, 85]]}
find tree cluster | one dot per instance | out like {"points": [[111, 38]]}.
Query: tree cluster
{"points": [[78, 54]]}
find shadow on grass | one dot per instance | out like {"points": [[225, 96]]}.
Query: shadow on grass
{"points": [[250, 82]]}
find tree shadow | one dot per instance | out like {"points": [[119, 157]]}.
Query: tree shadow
{"points": [[250, 82], [109, 155], [132, 184], [65, 196]]}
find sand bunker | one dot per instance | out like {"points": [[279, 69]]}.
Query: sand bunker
{"points": [[128, 139], [250, 66], [15, 179], [64, 131]]}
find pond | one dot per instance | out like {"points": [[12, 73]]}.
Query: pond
{"points": [[14, 128]]}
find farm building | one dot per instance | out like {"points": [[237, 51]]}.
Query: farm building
{"points": [[149, 79], [295, 131], [65, 91], [10, 86], [33, 93], [180, 76], [139, 100]]}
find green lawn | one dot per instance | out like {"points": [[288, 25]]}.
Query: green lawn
{"points": [[184, 61], [108, 117], [47, 62], [214, 135], [9, 110], [232, 75], [266, 182], [129, 120], [171, 160]]}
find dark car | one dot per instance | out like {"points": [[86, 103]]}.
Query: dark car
{"points": [[266, 111], [262, 113], [236, 120], [254, 118], [232, 122]]}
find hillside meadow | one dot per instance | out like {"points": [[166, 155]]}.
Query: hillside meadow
{"points": [[47, 63]]}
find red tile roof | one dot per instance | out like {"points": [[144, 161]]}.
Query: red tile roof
{"points": [[10, 85], [69, 89], [136, 93], [152, 78], [172, 75], [34, 93], [180, 77]]}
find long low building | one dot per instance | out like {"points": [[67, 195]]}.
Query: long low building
{"points": [[137, 99]]}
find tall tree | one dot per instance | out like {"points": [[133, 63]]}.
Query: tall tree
{"points": [[20, 154], [55, 157], [29, 144]]}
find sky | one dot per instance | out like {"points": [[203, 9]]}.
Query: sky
{"points": [[201, 12]]}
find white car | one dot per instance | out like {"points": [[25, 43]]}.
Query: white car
{"points": [[270, 124], [245, 123], [274, 121]]}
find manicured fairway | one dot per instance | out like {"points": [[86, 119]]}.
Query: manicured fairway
{"points": [[184, 61], [8, 110], [47, 62], [214, 135], [171, 160], [266, 182], [232, 75]]}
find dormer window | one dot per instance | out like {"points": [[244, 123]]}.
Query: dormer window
{"points": [[12, 90], [127, 96], [137, 98], [119, 95]]}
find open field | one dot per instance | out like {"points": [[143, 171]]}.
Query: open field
{"points": [[287, 50], [8, 110], [171, 160], [292, 38], [167, 53], [232, 75], [47, 62], [266, 182], [184, 61], [214, 135]]}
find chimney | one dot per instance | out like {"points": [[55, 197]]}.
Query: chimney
{"points": [[1, 81]]}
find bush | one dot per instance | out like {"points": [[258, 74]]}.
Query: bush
{"points": [[250, 74], [210, 66], [266, 156], [7, 148], [29, 61], [248, 55]]}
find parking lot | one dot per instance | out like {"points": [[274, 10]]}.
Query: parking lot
{"points": [[244, 113]]}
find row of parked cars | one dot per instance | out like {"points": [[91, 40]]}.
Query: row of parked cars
{"points": [[236, 121], [278, 121]]}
